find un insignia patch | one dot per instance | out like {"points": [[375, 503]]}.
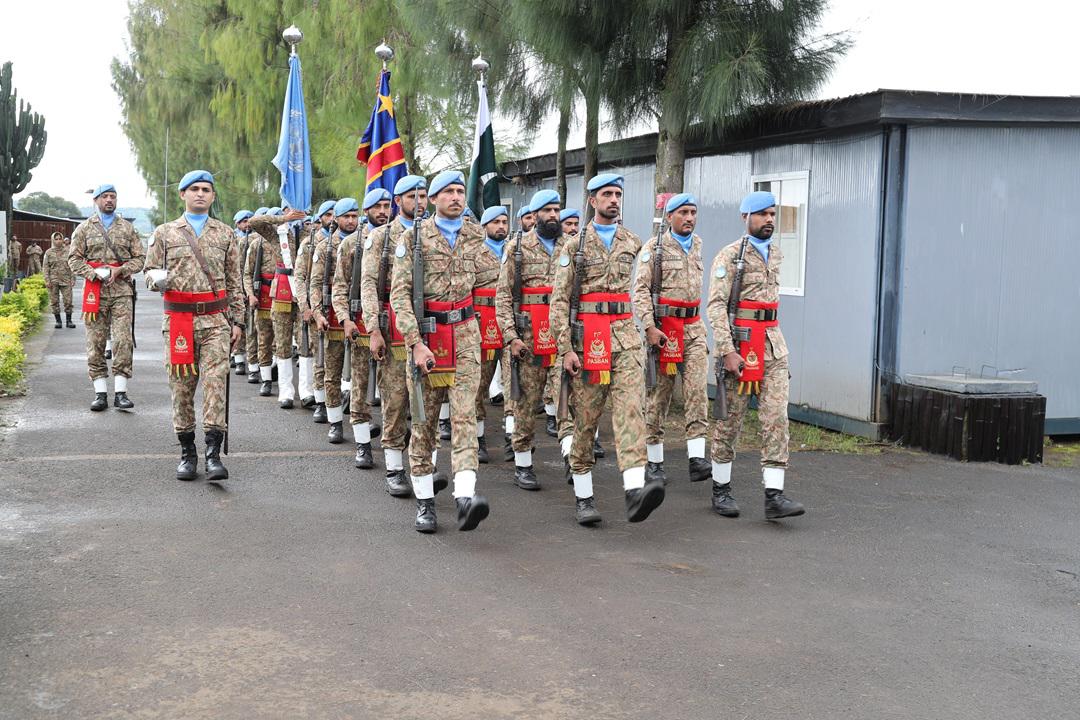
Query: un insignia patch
{"points": [[564, 260], [367, 244], [721, 271], [645, 256], [400, 252]]}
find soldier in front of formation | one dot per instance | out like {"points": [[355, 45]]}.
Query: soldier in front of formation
{"points": [[194, 261], [58, 278], [106, 252]]}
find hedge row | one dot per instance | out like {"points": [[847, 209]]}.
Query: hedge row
{"points": [[20, 311]]}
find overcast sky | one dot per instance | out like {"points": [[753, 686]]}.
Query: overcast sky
{"points": [[62, 50]]}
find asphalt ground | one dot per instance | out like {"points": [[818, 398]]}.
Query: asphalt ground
{"points": [[914, 587]]}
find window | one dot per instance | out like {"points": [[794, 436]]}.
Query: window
{"points": [[792, 191]]}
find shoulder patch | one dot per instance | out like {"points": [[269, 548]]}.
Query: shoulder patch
{"points": [[315, 257], [400, 251], [721, 271], [149, 245], [645, 256], [564, 260], [367, 243]]}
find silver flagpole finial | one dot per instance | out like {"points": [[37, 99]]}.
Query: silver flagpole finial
{"points": [[385, 53], [293, 36], [480, 65]]}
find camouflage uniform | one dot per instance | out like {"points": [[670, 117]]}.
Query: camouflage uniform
{"points": [[328, 378], [681, 279], [302, 273], [449, 276], [33, 259], [169, 250], [14, 256], [264, 325], [58, 279], [487, 276], [245, 349], [360, 353], [113, 320], [283, 320]]}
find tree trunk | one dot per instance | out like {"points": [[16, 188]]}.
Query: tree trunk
{"points": [[670, 159], [405, 113], [592, 138], [560, 155]]}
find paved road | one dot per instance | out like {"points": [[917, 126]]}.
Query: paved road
{"points": [[914, 588]]}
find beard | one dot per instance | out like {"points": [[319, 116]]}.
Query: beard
{"points": [[550, 229], [499, 235]]}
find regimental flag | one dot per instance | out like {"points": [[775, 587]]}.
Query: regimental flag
{"points": [[482, 190], [293, 157], [380, 146]]}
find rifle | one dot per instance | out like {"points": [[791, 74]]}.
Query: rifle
{"points": [[228, 385], [324, 302], [520, 320], [256, 289], [720, 408], [354, 297], [426, 325], [652, 367], [575, 303]]}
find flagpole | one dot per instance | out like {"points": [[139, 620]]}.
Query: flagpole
{"points": [[480, 66]]}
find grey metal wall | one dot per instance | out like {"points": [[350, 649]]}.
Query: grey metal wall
{"points": [[991, 256]]}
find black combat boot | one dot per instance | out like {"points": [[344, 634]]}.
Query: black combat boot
{"points": [[640, 503], [440, 482], [525, 478], [498, 400], [214, 469], [266, 389], [444, 429], [188, 469], [308, 402], [70, 324], [597, 448], [654, 472], [364, 459], [336, 435], [470, 511], [586, 513], [397, 484], [319, 416], [58, 324], [121, 400], [376, 430], [101, 401], [481, 450], [700, 469], [778, 506], [286, 404], [723, 502], [508, 448], [241, 368], [254, 378], [425, 516], [552, 426]]}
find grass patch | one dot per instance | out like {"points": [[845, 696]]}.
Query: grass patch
{"points": [[1062, 452]]}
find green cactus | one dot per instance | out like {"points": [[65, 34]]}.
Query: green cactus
{"points": [[17, 130]]}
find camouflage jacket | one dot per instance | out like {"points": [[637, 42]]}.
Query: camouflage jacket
{"points": [[383, 241], [680, 279], [302, 270], [34, 249], [322, 258], [760, 283], [537, 270], [607, 271], [343, 268], [264, 229], [88, 245], [169, 250], [449, 276], [15, 250], [55, 268]]}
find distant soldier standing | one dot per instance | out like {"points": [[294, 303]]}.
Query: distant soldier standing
{"points": [[106, 252], [251, 330], [526, 218], [306, 381], [14, 255], [496, 227], [310, 303], [602, 350], [448, 357], [194, 261], [674, 331], [33, 259], [58, 278], [571, 221], [320, 293], [759, 364], [240, 223]]}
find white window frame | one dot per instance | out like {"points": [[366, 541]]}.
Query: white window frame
{"points": [[781, 177]]}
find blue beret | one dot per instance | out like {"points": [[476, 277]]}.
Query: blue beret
{"points": [[757, 201], [195, 176], [326, 207], [276, 211], [409, 183], [467, 212], [375, 197], [242, 215], [491, 213], [569, 213], [345, 205], [446, 177], [107, 187], [525, 210], [677, 201], [262, 211], [603, 180], [544, 197]]}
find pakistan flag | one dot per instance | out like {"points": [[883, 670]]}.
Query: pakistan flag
{"points": [[483, 187]]}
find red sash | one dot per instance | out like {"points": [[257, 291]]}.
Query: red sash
{"points": [[91, 294], [182, 330], [544, 346], [597, 338], [442, 343], [283, 297], [674, 328], [491, 339], [265, 279], [752, 350], [396, 340]]}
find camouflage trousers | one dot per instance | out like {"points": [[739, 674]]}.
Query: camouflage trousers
{"points": [[284, 325], [695, 372], [394, 391], [462, 398], [250, 340], [504, 378], [56, 293], [302, 349], [772, 412], [33, 265], [264, 329], [212, 359], [359, 411], [113, 322], [487, 374], [328, 378], [534, 380], [627, 389]]}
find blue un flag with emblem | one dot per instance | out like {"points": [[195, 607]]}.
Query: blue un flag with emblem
{"points": [[293, 157]]}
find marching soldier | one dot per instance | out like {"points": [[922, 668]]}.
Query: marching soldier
{"points": [[306, 382], [326, 325], [445, 347], [106, 252], [324, 220], [602, 351], [33, 259], [347, 305], [571, 221], [759, 364], [496, 227], [58, 278], [195, 262], [522, 306], [253, 348], [387, 342], [240, 223], [675, 334]]}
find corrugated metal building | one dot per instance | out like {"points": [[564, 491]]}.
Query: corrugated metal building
{"points": [[922, 233]]}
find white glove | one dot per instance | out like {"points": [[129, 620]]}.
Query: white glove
{"points": [[103, 272], [155, 280]]}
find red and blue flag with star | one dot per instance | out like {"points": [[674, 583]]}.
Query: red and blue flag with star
{"points": [[380, 146]]}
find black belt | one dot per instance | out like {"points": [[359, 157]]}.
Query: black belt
{"points": [[283, 271], [199, 308], [677, 312], [758, 315], [605, 308], [450, 317], [264, 281]]}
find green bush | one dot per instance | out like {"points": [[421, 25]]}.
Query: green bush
{"points": [[20, 311], [27, 302]]}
